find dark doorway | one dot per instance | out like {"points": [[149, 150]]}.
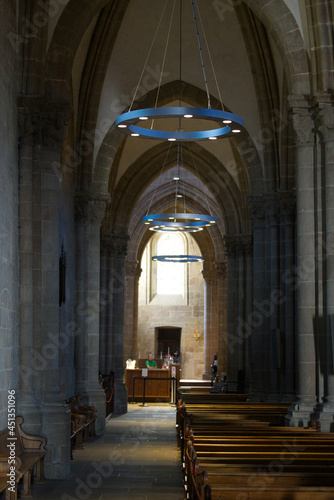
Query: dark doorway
{"points": [[168, 337]]}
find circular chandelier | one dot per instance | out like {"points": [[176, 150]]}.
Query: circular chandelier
{"points": [[186, 222], [132, 122], [228, 123], [182, 259]]}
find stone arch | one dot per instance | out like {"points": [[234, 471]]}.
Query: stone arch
{"points": [[147, 168], [283, 28]]}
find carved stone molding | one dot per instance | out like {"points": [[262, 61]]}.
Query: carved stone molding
{"points": [[303, 126], [288, 203], [133, 269], [272, 205], [238, 244], [247, 244], [326, 122], [116, 244], [41, 122], [90, 210], [207, 276], [221, 270], [256, 207]]}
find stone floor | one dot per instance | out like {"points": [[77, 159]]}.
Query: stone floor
{"points": [[137, 459]]}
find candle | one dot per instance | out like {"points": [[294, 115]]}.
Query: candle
{"points": [[168, 351], [139, 355], [160, 354]]}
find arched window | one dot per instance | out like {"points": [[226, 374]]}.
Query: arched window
{"points": [[170, 276]]}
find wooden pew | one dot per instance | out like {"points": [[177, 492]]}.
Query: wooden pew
{"points": [[6, 487], [83, 419], [233, 457], [29, 451]]}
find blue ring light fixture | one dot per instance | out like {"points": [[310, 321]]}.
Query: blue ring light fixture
{"points": [[191, 223], [230, 123], [182, 259]]}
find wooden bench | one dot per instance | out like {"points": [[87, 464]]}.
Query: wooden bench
{"points": [[234, 456], [83, 418], [29, 452], [6, 487]]}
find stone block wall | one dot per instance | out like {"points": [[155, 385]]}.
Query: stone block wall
{"points": [[164, 311], [8, 210]]}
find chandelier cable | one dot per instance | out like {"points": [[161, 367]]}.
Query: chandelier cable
{"points": [[164, 59], [201, 54], [205, 195], [210, 58], [148, 55], [159, 180]]}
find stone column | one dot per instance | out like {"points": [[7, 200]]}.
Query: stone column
{"points": [[105, 297], [288, 284], [132, 275], [254, 325], [234, 247], [270, 308], [27, 403], [117, 249], [303, 125], [248, 252], [326, 134], [49, 122], [221, 299], [208, 346], [89, 214]]}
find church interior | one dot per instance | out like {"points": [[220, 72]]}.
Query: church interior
{"points": [[89, 285]]}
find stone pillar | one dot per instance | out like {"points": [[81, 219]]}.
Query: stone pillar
{"points": [[208, 346], [117, 249], [105, 298], [254, 325], [237, 247], [326, 134], [132, 275], [27, 403], [233, 339], [221, 299], [270, 308], [89, 214], [288, 284], [303, 125], [48, 123], [248, 252]]}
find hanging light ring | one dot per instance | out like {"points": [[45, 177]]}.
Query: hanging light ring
{"points": [[230, 123], [186, 222], [182, 259]]}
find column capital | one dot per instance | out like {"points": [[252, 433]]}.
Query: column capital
{"points": [[43, 122], [325, 117], [207, 276], [133, 269], [256, 207], [221, 270], [116, 243], [287, 203], [238, 244], [90, 210], [303, 125], [272, 205]]}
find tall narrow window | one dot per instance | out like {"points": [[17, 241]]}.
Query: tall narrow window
{"points": [[170, 275]]}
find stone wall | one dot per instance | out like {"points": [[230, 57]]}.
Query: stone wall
{"points": [[8, 211], [166, 313]]}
